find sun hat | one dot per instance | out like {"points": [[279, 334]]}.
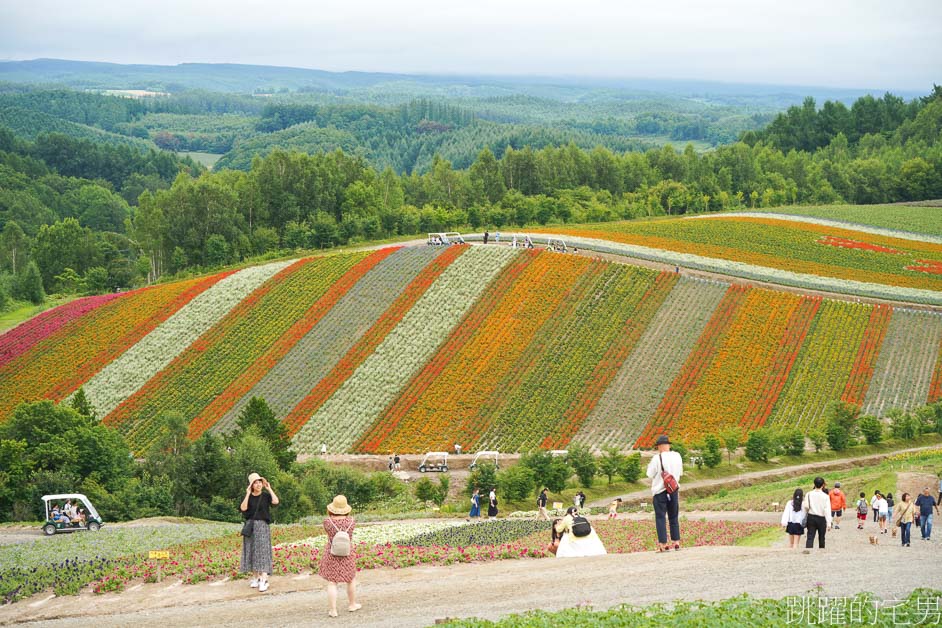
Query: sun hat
{"points": [[339, 506], [253, 477], [663, 440]]}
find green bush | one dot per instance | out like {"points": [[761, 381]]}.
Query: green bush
{"points": [[841, 421], [484, 477], [516, 483], [759, 445], [610, 462], [872, 429], [630, 469], [793, 441], [903, 425], [712, 454], [583, 463], [550, 471]]}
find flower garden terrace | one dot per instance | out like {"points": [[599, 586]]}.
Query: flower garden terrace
{"points": [[411, 349]]}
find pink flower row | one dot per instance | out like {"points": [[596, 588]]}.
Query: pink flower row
{"points": [[22, 338]]}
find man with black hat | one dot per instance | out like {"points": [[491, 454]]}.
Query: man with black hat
{"points": [[665, 470]]}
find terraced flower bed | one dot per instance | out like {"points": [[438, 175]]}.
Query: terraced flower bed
{"points": [[781, 244]]}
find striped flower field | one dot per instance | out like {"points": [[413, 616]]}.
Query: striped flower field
{"points": [[411, 349]]}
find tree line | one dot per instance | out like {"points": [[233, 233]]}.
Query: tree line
{"points": [[70, 199]]}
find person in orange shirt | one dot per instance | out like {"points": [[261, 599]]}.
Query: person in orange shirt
{"points": [[838, 504]]}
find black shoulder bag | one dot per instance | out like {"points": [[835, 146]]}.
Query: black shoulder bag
{"points": [[247, 527]]}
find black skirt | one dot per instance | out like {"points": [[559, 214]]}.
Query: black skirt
{"points": [[491, 510], [795, 528]]}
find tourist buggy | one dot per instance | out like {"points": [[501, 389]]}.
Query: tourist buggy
{"points": [[557, 244], [484, 456], [434, 461], [92, 520], [444, 238]]}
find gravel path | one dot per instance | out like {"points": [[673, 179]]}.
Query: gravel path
{"points": [[747, 479], [418, 596]]}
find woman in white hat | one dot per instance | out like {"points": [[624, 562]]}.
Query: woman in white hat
{"points": [[256, 539], [339, 563]]}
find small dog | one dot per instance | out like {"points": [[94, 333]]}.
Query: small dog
{"points": [[874, 540]]}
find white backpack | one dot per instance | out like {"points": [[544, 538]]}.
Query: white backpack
{"points": [[340, 545]]}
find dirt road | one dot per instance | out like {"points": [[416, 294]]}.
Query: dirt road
{"points": [[418, 596]]}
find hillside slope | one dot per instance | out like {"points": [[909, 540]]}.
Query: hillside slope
{"points": [[415, 348]]}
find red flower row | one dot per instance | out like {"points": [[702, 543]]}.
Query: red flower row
{"points": [[792, 340], [846, 243], [856, 389]]}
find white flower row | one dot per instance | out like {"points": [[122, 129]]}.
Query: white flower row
{"points": [[376, 383], [313, 357], [903, 371], [636, 391], [129, 372], [381, 533], [760, 273], [826, 222]]}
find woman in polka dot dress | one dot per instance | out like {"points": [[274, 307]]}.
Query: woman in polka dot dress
{"points": [[336, 569]]}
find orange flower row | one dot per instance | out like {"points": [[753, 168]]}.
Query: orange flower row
{"points": [[443, 399], [722, 396]]}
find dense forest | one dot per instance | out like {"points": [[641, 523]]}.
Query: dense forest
{"points": [[84, 216]]}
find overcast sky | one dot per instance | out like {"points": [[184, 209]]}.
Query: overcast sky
{"points": [[846, 43]]}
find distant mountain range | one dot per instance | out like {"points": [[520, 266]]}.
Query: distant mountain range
{"points": [[238, 78]]}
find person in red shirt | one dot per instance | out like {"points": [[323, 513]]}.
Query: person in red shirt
{"points": [[838, 504]]}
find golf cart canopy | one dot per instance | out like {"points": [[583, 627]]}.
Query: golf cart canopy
{"points": [[92, 513]]}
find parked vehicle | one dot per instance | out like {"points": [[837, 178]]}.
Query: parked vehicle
{"points": [[434, 461], [92, 521], [444, 238], [485, 456]]}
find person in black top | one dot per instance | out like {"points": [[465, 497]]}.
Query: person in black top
{"points": [[256, 548], [541, 504]]}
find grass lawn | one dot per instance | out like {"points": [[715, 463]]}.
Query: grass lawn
{"points": [[899, 217], [23, 311]]}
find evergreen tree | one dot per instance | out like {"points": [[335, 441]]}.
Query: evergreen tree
{"points": [[257, 413], [29, 285], [82, 405]]}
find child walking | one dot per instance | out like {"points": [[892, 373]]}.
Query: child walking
{"points": [[613, 508], [861, 510]]}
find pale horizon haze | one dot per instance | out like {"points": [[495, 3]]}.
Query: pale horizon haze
{"points": [[842, 43]]}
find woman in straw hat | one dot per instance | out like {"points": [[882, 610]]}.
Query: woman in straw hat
{"points": [[336, 569], [256, 549]]}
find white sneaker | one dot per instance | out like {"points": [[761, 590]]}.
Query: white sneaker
{"points": [[263, 586], [254, 583]]}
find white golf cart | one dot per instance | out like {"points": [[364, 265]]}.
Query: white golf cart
{"points": [[92, 521], [444, 238], [557, 453], [557, 244], [484, 456], [434, 461]]}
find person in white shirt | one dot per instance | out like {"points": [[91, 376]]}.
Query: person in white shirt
{"points": [[883, 512], [873, 506], [817, 506], [666, 505], [793, 519]]}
